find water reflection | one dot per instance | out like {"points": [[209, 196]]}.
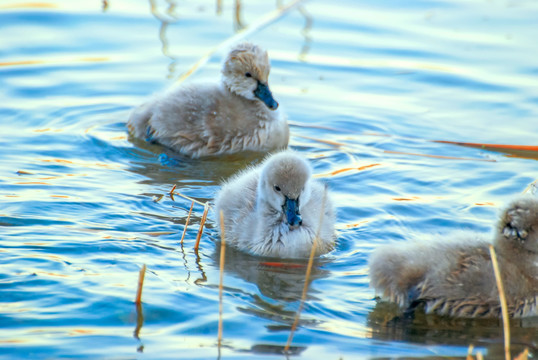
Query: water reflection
{"points": [[277, 279], [172, 18], [388, 323], [305, 31], [238, 23], [139, 324], [280, 284], [163, 166]]}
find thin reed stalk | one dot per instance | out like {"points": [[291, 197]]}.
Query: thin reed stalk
{"points": [[307, 276], [530, 186], [201, 229], [241, 34], [141, 276], [221, 278], [523, 356], [470, 352], [502, 299], [186, 223], [172, 192], [189, 198]]}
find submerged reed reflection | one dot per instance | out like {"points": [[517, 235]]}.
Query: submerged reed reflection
{"points": [[173, 18], [387, 322], [305, 31]]}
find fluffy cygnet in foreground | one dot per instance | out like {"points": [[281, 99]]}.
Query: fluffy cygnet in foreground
{"points": [[275, 209], [213, 119], [456, 277]]}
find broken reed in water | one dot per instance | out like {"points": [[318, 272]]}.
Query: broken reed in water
{"points": [[186, 223], [141, 276], [201, 230]]}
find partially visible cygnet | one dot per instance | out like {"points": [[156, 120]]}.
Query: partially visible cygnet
{"points": [[213, 119], [456, 278], [276, 209]]}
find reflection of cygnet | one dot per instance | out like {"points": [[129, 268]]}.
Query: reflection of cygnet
{"points": [[275, 209], [456, 277], [212, 119]]}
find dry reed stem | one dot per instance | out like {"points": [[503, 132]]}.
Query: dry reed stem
{"points": [[307, 276], [243, 33], [189, 198], [530, 186], [172, 192], [523, 356], [470, 352], [186, 223], [141, 277], [502, 299], [221, 278], [201, 229]]}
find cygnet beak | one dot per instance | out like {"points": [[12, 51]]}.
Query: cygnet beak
{"points": [[291, 209], [263, 93]]}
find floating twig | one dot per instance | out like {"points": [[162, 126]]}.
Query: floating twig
{"points": [[307, 276], [187, 223], [201, 230], [339, 171], [323, 141], [221, 278], [22, 172], [502, 299], [438, 156], [495, 147], [522, 151], [141, 277]]}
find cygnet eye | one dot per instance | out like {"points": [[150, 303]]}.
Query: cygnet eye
{"points": [[248, 74], [277, 188]]}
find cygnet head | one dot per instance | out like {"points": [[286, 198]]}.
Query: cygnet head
{"points": [[246, 73], [518, 227], [284, 186]]}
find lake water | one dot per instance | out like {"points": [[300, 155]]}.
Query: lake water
{"points": [[366, 85]]}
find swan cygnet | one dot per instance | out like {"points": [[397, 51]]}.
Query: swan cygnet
{"points": [[456, 278], [213, 119], [275, 209]]}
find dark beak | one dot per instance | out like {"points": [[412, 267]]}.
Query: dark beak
{"points": [[291, 209], [263, 93]]}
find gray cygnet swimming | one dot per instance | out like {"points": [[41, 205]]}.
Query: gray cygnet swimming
{"points": [[455, 277], [277, 209], [239, 114]]}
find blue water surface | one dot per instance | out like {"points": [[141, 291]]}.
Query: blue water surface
{"points": [[367, 87]]}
